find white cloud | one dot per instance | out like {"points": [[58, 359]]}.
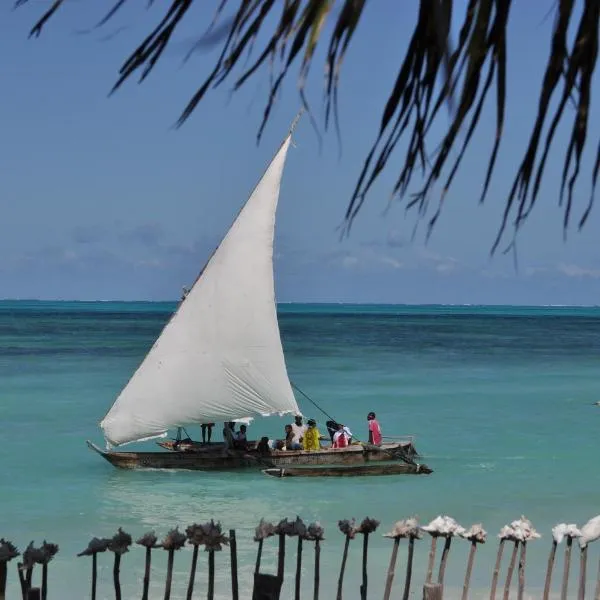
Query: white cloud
{"points": [[571, 270], [349, 262], [392, 262]]}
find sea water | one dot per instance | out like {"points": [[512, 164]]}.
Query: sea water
{"points": [[500, 400]]}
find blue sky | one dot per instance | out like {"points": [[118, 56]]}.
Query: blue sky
{"points": [[102, 199]]}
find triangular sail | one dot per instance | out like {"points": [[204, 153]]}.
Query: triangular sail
{"points": [[220, 356]]}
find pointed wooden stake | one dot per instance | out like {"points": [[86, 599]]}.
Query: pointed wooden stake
{"points": [[511, 568], [566, 568], [391, 569], [343, 568], [582, 573], [549, 569], [444, 560], [211, 575], [522, 559], [473, 549], [298, 569], [317, 569], [409, 564], [497, 569], [234, 567]]}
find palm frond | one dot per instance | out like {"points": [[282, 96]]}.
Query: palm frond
{"points": [[430, 75]]}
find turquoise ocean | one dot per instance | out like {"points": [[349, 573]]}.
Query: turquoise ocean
{"points": [[500, 400]]}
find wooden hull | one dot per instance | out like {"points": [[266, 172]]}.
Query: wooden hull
{"points": [[219, 460], [188, 445], [397, 468]]}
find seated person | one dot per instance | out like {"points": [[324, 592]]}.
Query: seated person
{"points": [[340, 439], [240, 441], [291, 441], [263, 447], [332, 428], [312, 437]]}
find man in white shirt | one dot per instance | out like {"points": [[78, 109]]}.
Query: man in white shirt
{"points": [[298, 429], [348, 433]]}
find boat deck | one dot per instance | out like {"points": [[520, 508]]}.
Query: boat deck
{"points": [[406, 444]]}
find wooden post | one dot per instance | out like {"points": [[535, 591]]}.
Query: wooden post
{"points": [[95, 574], [431, 559], [34, 594], [497, 569], [522, 559], [281, 556], [147, 564], [472, 551], [597, 592], [363, 587], [342, 569], [444, 559], [298, 569], [409, 562], [582, 573], [192, 578], [317, 568], [258, 556], [566, 568], [44, 581], [29, 576], [234, 568], [549, 570], [511, 568], [433, 591], [3, 573], [391, 569], [22, 581], [116, 579], [211, 575], [169, 580]]}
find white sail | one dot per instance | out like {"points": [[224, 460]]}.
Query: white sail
{"points": [[220, 356]]}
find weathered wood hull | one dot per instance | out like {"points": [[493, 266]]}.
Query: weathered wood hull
{"points": [[187, 445], [219, 460], [397, 468]]}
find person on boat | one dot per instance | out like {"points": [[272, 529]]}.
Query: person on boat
{"points": [[240, 441], [263, 447], [291, 443], [206, 428], [228, 435], [340, 438], [332, 428], [299, 429], [374, 430], [312, 437]]}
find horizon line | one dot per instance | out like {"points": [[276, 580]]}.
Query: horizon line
{"points": [[312, 303]]}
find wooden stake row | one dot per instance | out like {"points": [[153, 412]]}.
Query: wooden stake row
{"points": [[268, 587]]}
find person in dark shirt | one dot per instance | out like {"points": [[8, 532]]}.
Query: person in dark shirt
{"points": [[206, 428], [240, 441]]}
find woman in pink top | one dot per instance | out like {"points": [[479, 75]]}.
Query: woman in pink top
{"points": [[374, 430]]}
